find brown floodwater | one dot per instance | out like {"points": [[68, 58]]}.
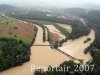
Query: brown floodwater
{"points": [[76, 47], [41, 56]]}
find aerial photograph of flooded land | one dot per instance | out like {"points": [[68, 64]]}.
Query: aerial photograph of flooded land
{"points": [[49, 37]]}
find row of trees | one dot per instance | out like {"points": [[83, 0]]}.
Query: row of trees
{"points": [[42, 26], [35, 33], [57, 43]]}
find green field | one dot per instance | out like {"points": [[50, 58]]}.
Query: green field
{"points": [[10, 22], [6, 21]]}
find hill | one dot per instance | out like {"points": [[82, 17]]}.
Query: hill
{"points": [[6, 8]]}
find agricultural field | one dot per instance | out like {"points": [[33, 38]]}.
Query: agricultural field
{"points": [[10, 27]]}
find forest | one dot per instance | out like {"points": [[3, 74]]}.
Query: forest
{"points": [[13, 52]]}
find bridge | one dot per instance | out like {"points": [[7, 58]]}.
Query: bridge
{"points": [[40, 45], [73, 58], [66, 54]]}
